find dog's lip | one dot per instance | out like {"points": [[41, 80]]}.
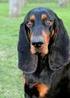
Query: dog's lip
{"points": [[39, 50]]}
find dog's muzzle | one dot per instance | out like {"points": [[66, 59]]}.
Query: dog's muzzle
{"points": [[39, 44]]}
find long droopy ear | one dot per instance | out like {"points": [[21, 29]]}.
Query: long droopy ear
{"points": [[27, 62], [59, 52]]}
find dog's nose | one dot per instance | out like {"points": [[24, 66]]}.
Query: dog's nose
{"points": [[37, 41], [37, 44]]}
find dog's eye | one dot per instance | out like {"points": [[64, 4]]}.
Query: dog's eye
{"points": [[32, 21], [44, 20], [32, 18]]}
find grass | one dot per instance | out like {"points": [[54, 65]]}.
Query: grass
{"points": [[11, 84]]}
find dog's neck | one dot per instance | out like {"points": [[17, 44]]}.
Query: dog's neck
{"points": [[42, 64]]}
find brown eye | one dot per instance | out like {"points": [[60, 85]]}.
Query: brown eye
{"points": [[32, 18], [44, 17], [44, 20], [32, 21]]}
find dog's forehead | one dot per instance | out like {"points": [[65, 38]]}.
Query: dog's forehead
{"points": [[39, 11]]}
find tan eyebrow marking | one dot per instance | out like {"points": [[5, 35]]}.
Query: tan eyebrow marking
{"points": [[32, 18], [43, 16]]}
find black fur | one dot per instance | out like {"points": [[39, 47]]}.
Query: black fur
{"points": [[53, 69]]}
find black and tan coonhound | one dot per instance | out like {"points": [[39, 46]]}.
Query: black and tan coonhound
{"points": [[43, 55]]}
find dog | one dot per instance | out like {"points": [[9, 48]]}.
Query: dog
{"points": [[44, 55]]}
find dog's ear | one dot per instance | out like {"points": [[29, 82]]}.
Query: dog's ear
{"points": [[59, 52], [26, 61]]}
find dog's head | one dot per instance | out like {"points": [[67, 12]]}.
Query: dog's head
{"points": [[42, 32], [40, 27]]}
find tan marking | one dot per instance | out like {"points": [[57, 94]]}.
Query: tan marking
{"points": [[44, 48], [29, 35], [32, 18], [46, 37], [52, 33], [44, 17], [42, 89], [32, 49]]}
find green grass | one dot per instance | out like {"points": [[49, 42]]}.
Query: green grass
{"points": [[11, 84]]}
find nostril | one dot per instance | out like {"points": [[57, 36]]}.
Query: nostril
{"points": [[37, 44]]}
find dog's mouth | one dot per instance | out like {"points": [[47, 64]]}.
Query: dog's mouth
{"points": [[43, 49]]}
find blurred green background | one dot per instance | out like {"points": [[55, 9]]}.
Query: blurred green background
{"points": [[11, 83]]}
